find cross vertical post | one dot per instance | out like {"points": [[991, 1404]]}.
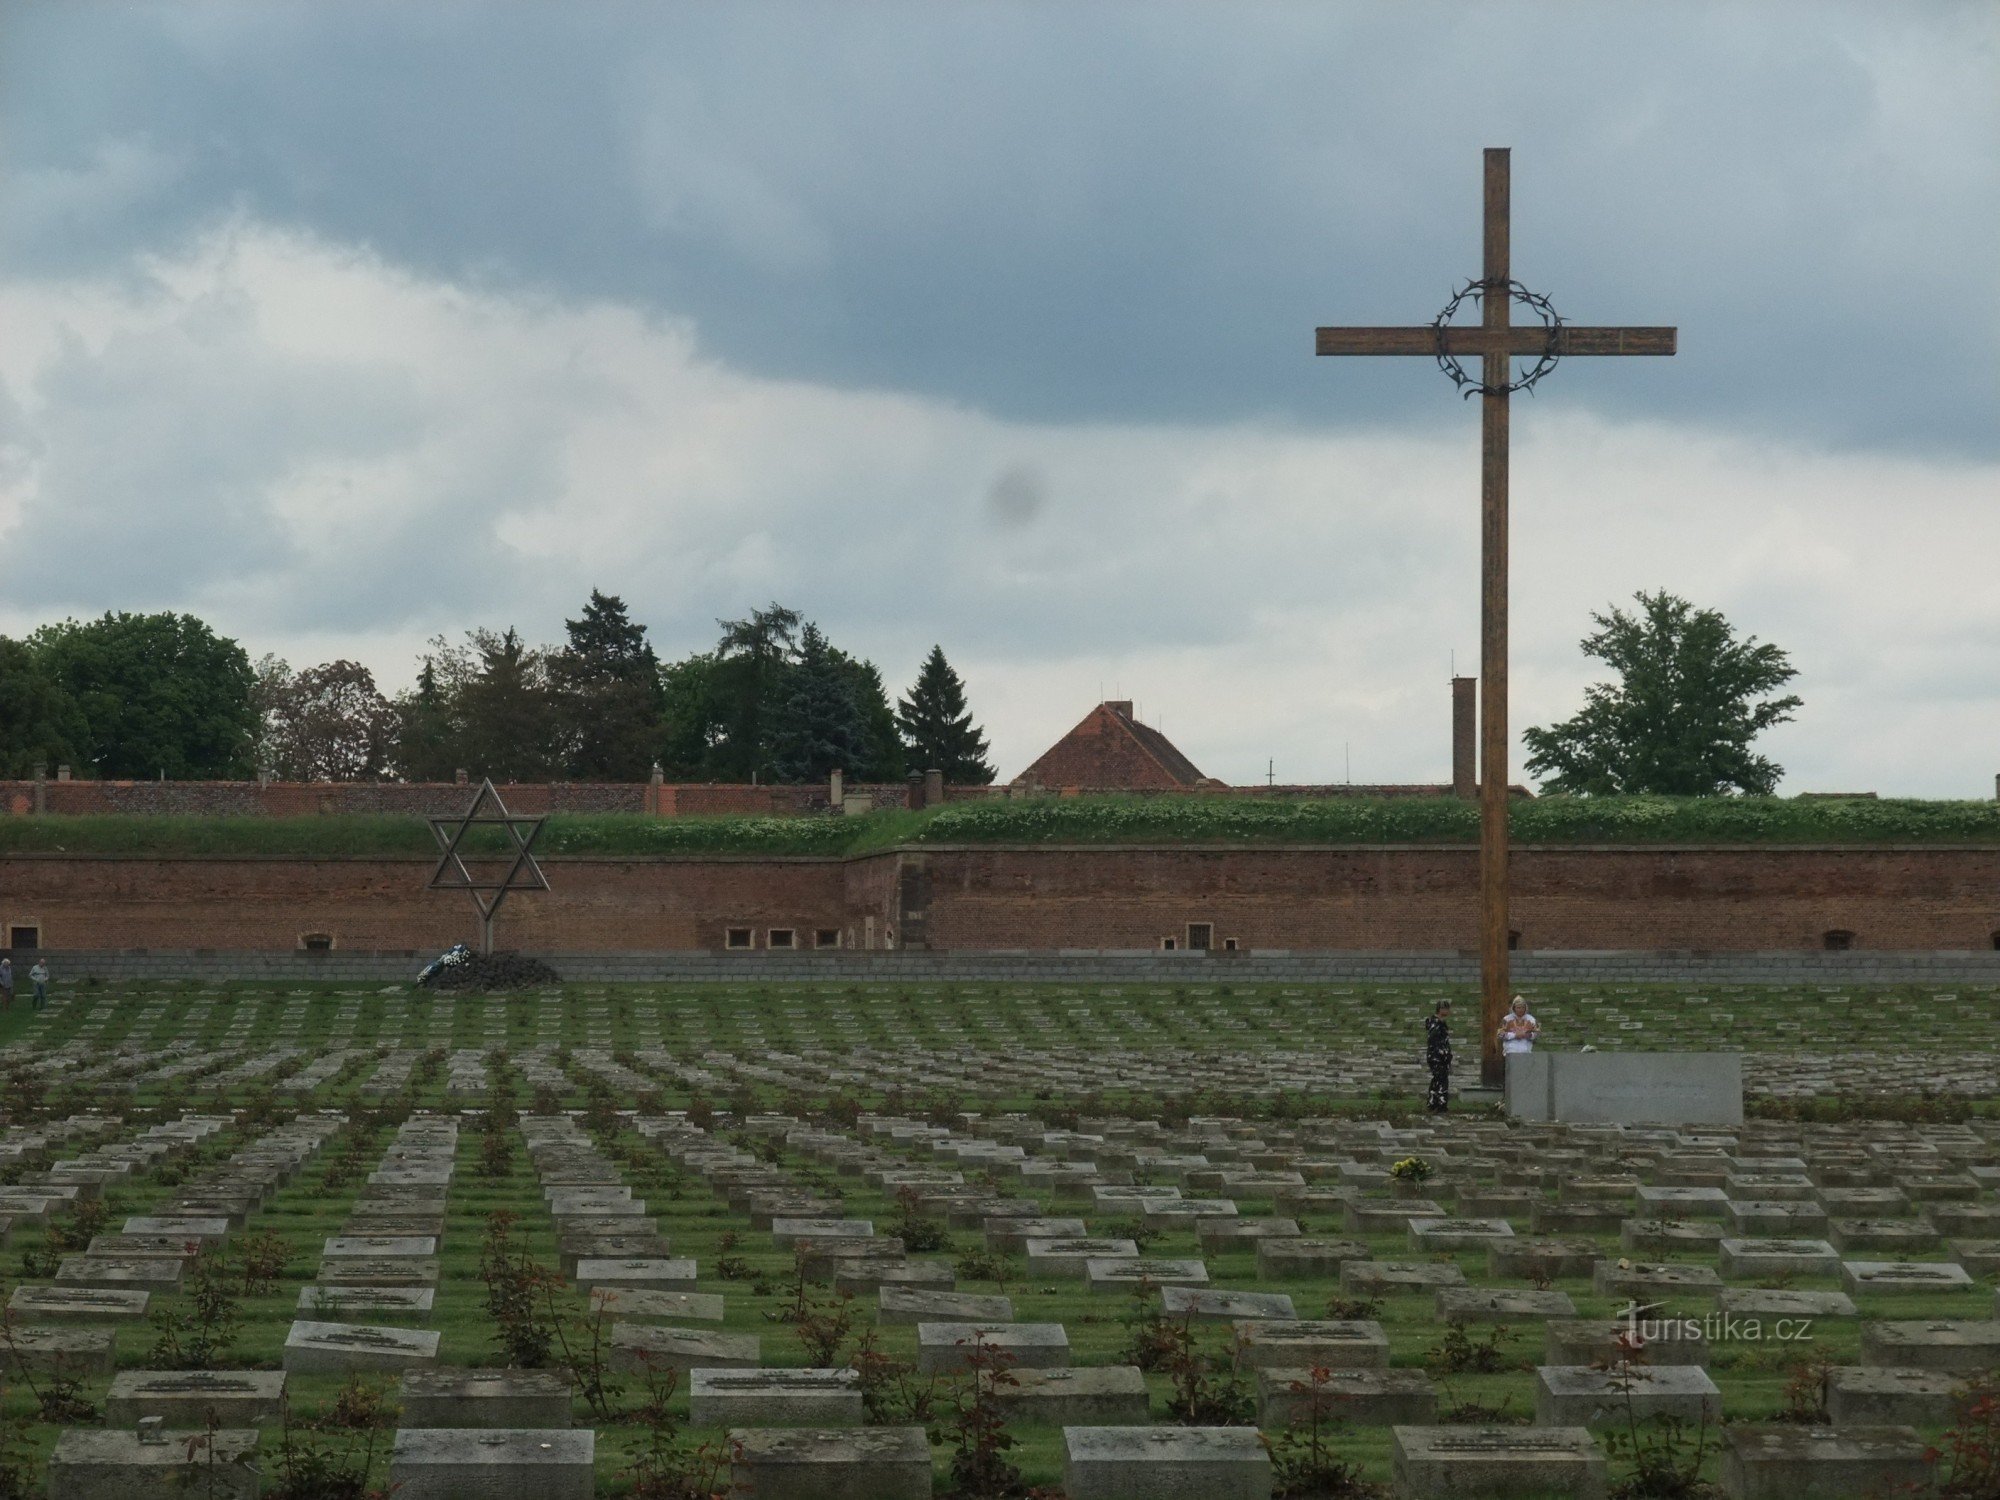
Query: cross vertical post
{"points": [[1495, 306], [1497, 343]]}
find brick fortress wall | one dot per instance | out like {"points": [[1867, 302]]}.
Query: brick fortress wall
{"points": [[1403, 898]]}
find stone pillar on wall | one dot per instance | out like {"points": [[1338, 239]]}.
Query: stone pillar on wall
{"points": [[836, 791], [1465, 737], [913, 795], [933, 788], [41, 786]]}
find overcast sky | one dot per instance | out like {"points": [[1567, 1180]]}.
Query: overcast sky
{"points": [[344, 325]]}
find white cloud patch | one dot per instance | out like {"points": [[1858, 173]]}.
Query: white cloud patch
{"points": [[328, 455]]}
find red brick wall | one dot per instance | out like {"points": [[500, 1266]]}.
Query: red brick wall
{"points": [[1046, 898]]}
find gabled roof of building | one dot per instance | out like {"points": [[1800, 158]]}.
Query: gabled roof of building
{"points": [[1111, 750]]}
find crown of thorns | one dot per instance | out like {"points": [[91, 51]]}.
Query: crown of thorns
{"points": [[1535, 302]]}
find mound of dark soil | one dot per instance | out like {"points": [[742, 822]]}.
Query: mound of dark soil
{"points": [[495, 971]]}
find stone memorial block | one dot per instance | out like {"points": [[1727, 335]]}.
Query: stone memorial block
{"points": [[489, 1463], [1465, 1461], [1243, 1234], [1980, 1257], [1646, 1281], [775, 1398], [1903, 1276], [820, 1256], [72, 1351], [203, 1229], [1777, 1257], [1471, 1304], [1778, 1218], [573, 1249], [1010, 1235], [1142, 1463], [1896, 1236], [942, 1348], [129, 1272], [635, 1275], [1956, 1345], [313, 1348], [691, 1307], [1170, 1214], [409, 1301], [360, 1270], [1086, 1396], [1820, 1463], [88, 1465], [802, 1463], [1363, 1217], [786, 1233], [1762, 1302], [1285, 1259], [77, 1304], [1121, 1275], [379, 1246], [1212, 1305], [189, 1398], [1365, 1398], [1337, 1344], [1587, 1396], [1375, 1278], [1682, 1202], [1542, 1259], [1458, 1234], [862, 1276], [636, 1347], [1577, 1218], [1587, 1341], [1864, 1203], [1626, 1088], [453, 1396], [916, 1304], [1865, 1396]]}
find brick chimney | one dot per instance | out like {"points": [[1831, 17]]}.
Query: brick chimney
{"points": [[1465, 737]]}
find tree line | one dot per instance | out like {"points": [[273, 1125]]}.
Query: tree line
{"points": [[135, 696]]}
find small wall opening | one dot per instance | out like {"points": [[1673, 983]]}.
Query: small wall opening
{"points": [[26, 937], [1169, 944], [316, 942], [1837, 940], [826, 937], [1229, 945], [1514, 938], [1996, 941], [737, 937], [1201, 936], [781, 937]]}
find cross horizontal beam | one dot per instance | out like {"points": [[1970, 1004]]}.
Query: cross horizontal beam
{"points": [[1527, 341]]}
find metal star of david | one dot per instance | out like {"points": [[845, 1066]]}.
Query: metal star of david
{"points": [[451, 873]]}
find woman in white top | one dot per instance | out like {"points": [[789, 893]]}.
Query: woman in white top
{"points": [[1518, 1029]]}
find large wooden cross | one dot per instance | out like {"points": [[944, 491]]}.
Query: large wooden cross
{"points": [[1497, 342]]}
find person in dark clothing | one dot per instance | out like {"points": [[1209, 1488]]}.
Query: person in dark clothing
{"points": [[1437, 1056]]}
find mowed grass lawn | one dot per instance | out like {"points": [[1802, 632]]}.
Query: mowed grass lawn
{"points": [[699, 1047]]}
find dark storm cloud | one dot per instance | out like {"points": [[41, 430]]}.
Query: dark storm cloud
{"points": [[1086, 213]]}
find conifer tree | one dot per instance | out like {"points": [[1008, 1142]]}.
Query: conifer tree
{"points": [[819, 725], [937, 727]]}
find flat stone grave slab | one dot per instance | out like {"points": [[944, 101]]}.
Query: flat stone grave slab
{"points": [[367, 1221], [1586, 1396], [451, 1396], [677, 1275], [1386, 1277], [820, 1256], [573, 1249], [370, 1270], [915, 1304], [1243, 1234], [1083, 1396], [1776, 1217], [1213, 1305], [385, 1246], [1070, 1257], [1142, 1463], [314, 1348], [1366, 1398], [80, 1351], [207, 1229], [1371, 1217], [1868, 1396], [775, 1398], [88, 1465], [1307, 1257], [1473, 1304], [1777, 1257], [1960, 1345], [1011, 1235], [785, 1233], [1669, 1236], [1544, 1258], [1903, 1276], [1681, 1202], [1774, 1302], [1458, 1234], [1645, 1280], [863, 1276], [77, 1304], [188, 1398], [691, 1307], [137, 1272], [470, 1463], [1337, 1344], [1594, 1341], [840, 1463], [1455, 1461], [942, 1348], [1980, 1257], [1123, 1274], [637, 1347], [149, 1246], [1821, 1463], [1171, 1214], [1892, 1235], [410, 1301]]}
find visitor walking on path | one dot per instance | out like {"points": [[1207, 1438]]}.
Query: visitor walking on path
{"points": [[6, 985], [1518, 1029], [1437, 1056], [39, 977]]}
